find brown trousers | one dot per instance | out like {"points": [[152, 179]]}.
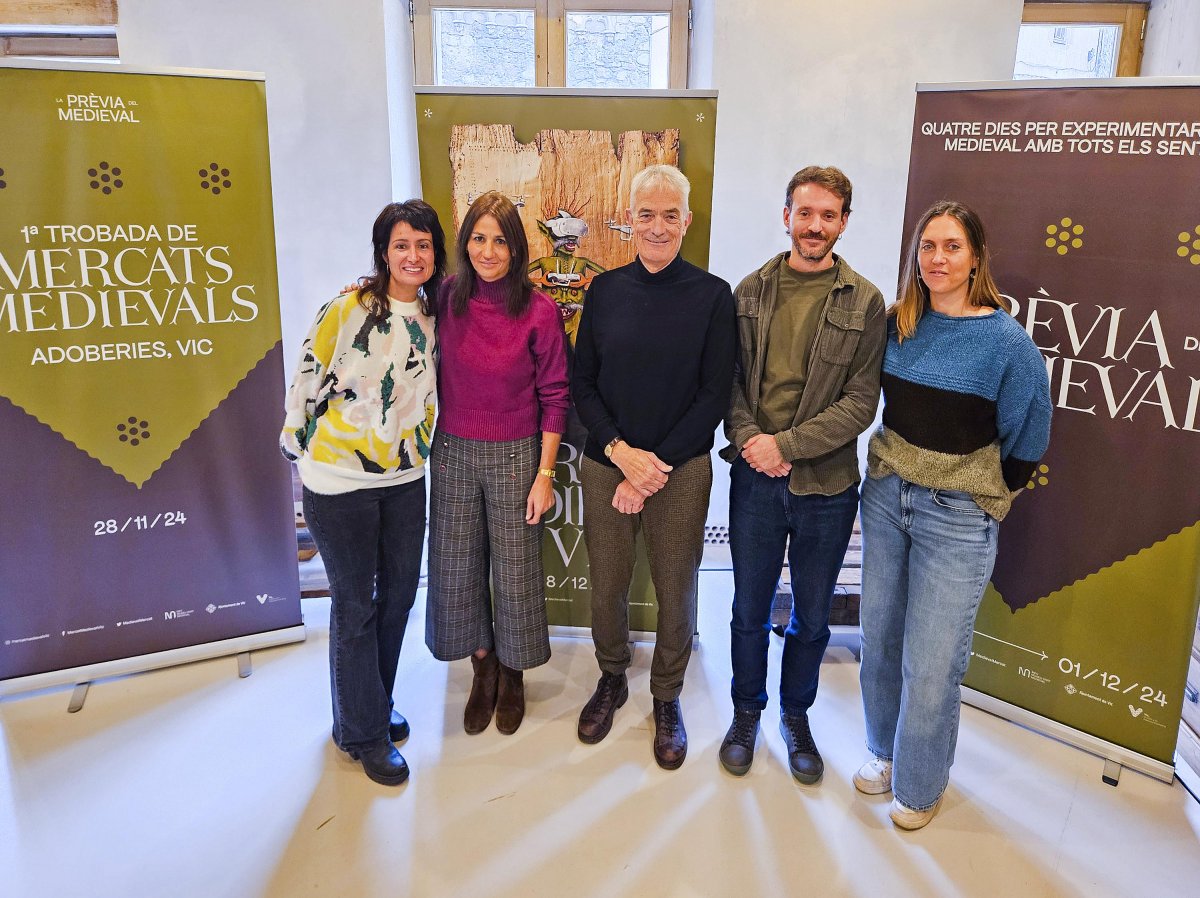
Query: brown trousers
{"points": [[672, 523]]}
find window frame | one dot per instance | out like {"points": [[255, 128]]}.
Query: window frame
{"points": [[550, 33], [1130, 16], [77, 29]]}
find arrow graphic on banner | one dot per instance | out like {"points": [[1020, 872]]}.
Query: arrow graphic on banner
{"points": [[1041, 655]]}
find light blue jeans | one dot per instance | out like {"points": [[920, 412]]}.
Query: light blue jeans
{"points": [[927, 556]]}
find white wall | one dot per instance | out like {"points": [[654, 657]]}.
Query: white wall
{"points": [[1172, 38], [806, 83], [327, 106], [833, 84], [799, 83]]}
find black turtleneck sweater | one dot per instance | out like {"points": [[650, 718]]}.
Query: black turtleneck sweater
{"points": [[654, 360]]}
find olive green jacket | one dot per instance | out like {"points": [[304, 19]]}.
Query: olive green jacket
{"points": [[841, 390]]}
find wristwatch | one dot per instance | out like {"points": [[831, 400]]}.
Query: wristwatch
{"points": [[546, 472], [612, 444]]}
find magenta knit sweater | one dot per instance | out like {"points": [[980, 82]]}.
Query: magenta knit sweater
{"points": [[500, 378]]}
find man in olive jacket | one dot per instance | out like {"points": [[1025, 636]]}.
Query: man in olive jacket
{"points": [[811, 335]]}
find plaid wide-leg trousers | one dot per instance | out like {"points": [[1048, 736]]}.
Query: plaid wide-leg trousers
{"points": [[478, 490]]}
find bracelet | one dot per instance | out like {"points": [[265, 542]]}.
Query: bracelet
{"points": [[548, 472]]}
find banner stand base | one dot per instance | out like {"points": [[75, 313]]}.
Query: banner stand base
{"points": [[1187, 776], [1115, 756], [82, 677], [635, 636], [78, 697], [1112, 772], [574, 631]]}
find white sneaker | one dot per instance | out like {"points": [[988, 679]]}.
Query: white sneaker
{"points": [[874, 777], [906, 818]]}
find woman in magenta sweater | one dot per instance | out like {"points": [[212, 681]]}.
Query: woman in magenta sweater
{"points": [[502, 398]]}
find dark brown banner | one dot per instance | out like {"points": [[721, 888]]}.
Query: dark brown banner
{"points": [[1091, 196]]}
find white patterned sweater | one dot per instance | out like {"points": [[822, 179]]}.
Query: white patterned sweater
{"points": [[360, 411]]}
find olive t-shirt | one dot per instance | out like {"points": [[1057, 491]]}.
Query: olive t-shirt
{"points": [[798, 304]]}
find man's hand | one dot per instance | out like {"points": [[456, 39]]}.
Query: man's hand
{"points": [[762, 454], [644, 471], [540, 499], [626, 499]]}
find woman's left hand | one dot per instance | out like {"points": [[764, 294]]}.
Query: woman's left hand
{"points": [[541, 499]]}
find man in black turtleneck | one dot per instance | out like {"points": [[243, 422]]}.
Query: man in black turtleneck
{"points": [[654, 361]]}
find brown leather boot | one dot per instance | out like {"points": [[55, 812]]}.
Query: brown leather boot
{"points": [[482, 700], [596, 718], [670, 738], [510, 700]]}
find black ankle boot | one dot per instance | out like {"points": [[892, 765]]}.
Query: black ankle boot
{"points": [[382, 763]]}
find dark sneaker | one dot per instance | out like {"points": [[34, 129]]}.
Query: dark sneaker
{"points": [[737, 751], [670, 738], [382, 763], [595, 720], [803, 757]]}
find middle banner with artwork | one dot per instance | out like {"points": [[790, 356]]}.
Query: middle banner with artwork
{"points": [[566, 159]]}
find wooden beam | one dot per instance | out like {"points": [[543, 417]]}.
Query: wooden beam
{"points": [[58, 12], [100, 46]]}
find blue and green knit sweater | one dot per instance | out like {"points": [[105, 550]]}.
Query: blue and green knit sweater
{"points": [[966, 407]]}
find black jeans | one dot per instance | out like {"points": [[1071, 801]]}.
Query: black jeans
{"points": [[370, 541]]}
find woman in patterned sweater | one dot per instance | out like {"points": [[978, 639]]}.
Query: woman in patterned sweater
{"points": [[359, 421], [966, 418]]}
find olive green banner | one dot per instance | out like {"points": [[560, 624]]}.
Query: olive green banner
{"points": [[117, 313], [146, 506], [566, 160]]}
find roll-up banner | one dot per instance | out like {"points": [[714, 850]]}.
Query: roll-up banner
{"points": [[147, 514], [566, 158], [1091, 196]]}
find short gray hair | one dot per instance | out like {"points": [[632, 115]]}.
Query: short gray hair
{"points": [[663, 176]]}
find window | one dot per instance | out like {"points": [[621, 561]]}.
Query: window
{"points": [[554, 43], [59, 29], [1080, 40]]}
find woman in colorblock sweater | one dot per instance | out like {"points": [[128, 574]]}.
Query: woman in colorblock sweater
{"points": [[966, 418], [503, 407], [358, 424]]}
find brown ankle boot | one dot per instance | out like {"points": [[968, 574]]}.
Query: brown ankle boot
{"points": [[510, 701], [482, 700]]}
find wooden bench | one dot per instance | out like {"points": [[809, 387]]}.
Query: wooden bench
{"points": [[843, 614]]}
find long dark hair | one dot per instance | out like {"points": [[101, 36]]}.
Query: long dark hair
{"points": [[913, 296], [517, 289], [373, 288]]}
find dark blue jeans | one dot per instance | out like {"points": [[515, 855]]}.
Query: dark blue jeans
{"points": [[370, 541], [763, 513]]}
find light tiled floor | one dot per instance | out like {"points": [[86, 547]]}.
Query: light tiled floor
{"points": [[191, 782]]}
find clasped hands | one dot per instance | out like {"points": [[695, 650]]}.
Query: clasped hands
{"points": [[645, 474], [762, 454]]}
